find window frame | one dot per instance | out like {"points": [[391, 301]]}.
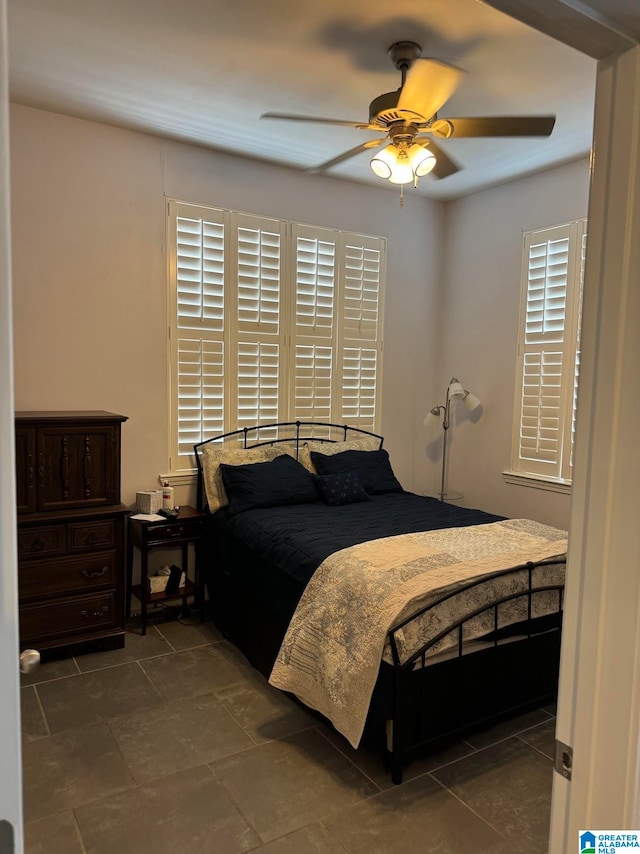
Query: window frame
{"points": [[289, 337], [555, 475]]}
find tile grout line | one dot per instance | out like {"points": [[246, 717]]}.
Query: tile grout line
{"points": [[537, 749], [78, 831], [233, 801], [151, 682], [332, 836], [507, 737], [468, 806], [42, 711], [246, 731], [357, 767]]}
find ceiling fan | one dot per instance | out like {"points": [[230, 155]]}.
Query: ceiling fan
{"points": [[409, 119]]}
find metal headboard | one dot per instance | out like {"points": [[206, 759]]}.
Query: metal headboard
{"points": [[293, 433]]}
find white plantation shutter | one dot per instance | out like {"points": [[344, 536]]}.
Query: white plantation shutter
{"points": [[315, 281], [576, 376], [258, 387], [197, 255], [270, 321], [314, 323], [200, 273], [548, 356], [258, 383], [200, 392], [337, 328], [360, 339], [362, 281], [313, 375], [359, 386], [259, 276]]}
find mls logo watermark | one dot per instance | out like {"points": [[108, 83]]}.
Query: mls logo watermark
{"points": [[607, 841]]}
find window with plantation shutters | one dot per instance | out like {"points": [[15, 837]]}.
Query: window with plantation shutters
{"points": [[270, 321], [197, 342], [548, 352]]}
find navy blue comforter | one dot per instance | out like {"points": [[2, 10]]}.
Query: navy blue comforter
{"points": [[298, 538]]}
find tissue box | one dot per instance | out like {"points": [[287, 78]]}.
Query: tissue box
{"points": [[157, 583], [149, 501]]}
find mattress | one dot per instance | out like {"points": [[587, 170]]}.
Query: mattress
{"points": [[296, 539]]}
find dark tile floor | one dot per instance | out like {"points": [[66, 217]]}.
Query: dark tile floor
{"points": [[174, 744]]}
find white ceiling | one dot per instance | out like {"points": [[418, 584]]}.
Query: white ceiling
{"points": [[204, 70]]}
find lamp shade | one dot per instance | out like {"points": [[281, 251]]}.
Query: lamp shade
{"points": [[471, 401], [433, 418], [455, 389], [384, 161], [422, 160], [401, 172]]}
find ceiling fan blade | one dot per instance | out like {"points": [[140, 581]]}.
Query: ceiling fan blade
{"points": [[501, 126], [372, 143], [428, 85], [292, 117], [445, 165]]}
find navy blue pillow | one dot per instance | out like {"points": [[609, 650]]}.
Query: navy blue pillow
{"points": [[279, 481], [342, 488], [372, 467]]}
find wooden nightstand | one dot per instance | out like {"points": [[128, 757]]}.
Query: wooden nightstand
{"points": [[168, 534]]}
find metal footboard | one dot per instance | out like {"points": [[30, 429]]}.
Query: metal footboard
{"points": [[404, 739]]}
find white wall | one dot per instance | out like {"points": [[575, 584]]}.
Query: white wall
{"points": [[90, 276], [479, 319]]}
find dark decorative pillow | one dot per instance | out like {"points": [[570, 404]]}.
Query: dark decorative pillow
{"points": [[372, 467], [279, 481], [342, 488]]}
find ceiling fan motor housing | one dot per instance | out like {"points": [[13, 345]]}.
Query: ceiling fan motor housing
{"points": [[383, 108]]}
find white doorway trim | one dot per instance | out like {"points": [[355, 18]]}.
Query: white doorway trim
{"points": [[11, 776], [599, 702]]}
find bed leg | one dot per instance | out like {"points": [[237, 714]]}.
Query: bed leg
{"points": [[396, 768], [393, 754]]}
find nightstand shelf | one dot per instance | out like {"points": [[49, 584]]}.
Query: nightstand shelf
{"points": [[180, 532], [189, 589]]}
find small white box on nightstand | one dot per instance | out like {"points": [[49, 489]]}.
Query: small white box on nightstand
{"points": [[149, 501]]}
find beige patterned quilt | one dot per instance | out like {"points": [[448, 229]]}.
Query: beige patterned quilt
{"points": [[331, 653]]}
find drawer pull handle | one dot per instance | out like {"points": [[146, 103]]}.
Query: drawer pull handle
{"points": [[37, 545], [94, 573], [92, 538], [177, 532], [93, 614]]}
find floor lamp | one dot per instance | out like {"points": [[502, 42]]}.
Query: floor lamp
{"points": [[455, 392]]}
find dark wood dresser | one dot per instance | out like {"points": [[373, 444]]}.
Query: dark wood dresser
{"points": [[70, 531]]}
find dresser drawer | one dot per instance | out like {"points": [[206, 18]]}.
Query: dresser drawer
{"points": [[174, 531], [91, 535], [41, 541], [61, 576], [68, 617]]}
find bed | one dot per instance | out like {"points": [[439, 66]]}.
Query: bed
{"points": [[402, 619]]}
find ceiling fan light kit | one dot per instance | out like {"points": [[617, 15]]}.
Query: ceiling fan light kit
{"points": [[409, 118], [403, 164]]}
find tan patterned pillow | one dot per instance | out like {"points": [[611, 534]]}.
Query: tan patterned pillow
{"points": [[367, 443], [213, 455]]}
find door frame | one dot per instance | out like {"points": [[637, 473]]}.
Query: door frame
{"points": [[10, 740], [599, 696], [599, 691]]}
